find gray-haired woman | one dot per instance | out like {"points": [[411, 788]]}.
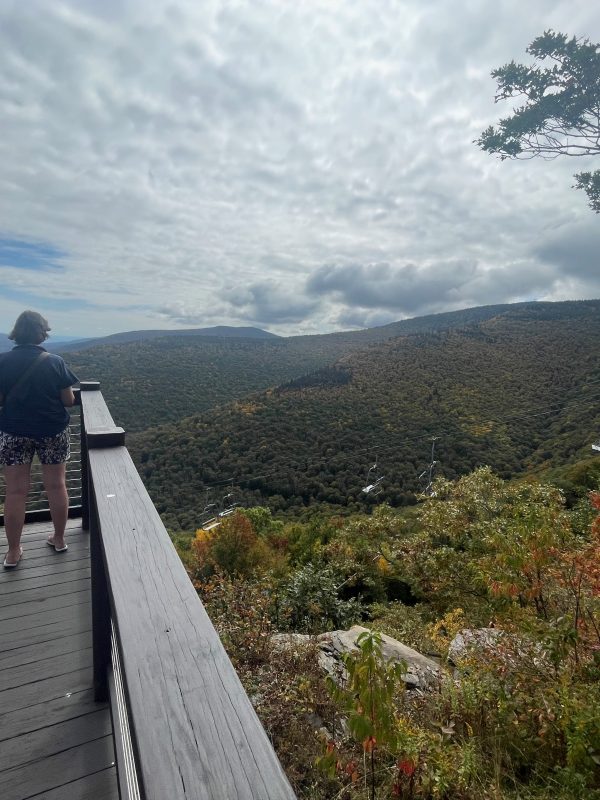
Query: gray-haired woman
{"points": [[35, 388]]}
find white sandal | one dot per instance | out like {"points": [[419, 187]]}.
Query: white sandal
{"points": [[50, 543], [8, 565]]}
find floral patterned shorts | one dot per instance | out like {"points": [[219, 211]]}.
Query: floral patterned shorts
{"points": [[21, 449]]}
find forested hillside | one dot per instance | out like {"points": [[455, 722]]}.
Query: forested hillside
{"points": [[161, 379], [519, 392]]}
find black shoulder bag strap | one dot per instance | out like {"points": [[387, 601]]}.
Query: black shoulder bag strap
{"points": [[23, 379]]}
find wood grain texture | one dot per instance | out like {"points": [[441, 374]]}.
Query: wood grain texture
{"points": [[96, 413], [196, 732]]}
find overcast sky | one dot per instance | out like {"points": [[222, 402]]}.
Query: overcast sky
{"points": [[299, 165]]}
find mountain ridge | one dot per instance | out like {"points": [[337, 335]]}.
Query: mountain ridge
{"points": [[508, 392], [163, 379]]}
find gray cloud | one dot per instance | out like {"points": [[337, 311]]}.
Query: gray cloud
{"points": [[575, 250], [270, 303], [406, 289], [174, 150], [370, 293]]}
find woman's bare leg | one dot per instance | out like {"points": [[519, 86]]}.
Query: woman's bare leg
{"points": [[17, 480], [58, 499]]}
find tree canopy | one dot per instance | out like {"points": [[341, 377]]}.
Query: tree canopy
{"points": [[560, 115]]}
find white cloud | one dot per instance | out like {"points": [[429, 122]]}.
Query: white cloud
{"points": [[186, 154]]}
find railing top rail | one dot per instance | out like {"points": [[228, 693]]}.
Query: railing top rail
{"points": [[195, 732]]}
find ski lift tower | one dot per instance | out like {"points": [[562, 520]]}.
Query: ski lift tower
{"points": [[427, 474]]}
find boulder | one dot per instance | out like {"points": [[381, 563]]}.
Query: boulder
{"points": [[283, 641], [473, 642], [421, 672], [503, 646]]}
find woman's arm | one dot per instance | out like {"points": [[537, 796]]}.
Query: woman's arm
{"points": [[67, 397]]}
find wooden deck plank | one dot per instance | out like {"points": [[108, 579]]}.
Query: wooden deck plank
{"points": [[45, 633], [40, 715], [38, 581], [53, 739], [41, 691], [37, 541], [19, 783], [18, 610], [80, 582], [46, 554], [43, 618], [31, 653], [39, 547], [40, 530], [99, 786], [12, 677], [50, 565]]}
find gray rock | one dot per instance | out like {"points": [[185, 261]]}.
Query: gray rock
{"points": [[282, 641], [421, 673], [509, 648], [474, 642]]}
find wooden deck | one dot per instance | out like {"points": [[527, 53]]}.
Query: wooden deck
{"points": [[56, 743]]}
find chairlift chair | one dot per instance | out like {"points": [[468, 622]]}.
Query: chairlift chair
{"points": [[373, 487], [229, 506]]}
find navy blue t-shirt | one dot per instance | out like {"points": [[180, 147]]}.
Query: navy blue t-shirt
{"points": [[37, 410]]}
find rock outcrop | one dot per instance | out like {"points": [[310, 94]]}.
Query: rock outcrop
{"points": [[421, 673]]}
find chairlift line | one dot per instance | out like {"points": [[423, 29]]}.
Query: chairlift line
{"points": [[553, 408], [373, 487]]}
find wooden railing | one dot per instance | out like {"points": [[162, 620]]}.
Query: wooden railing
{"points": [[184, 726]]}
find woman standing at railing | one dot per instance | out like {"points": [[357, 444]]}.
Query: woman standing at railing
{"points": [[35, 387]]}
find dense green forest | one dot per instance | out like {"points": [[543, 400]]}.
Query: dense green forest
{"points": [[519, 392], [153, 381]]}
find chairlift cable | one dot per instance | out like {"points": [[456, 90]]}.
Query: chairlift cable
{"points": [[554, 408]]}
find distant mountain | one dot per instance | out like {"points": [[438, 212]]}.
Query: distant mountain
{"points": [[519, 391], [164, 378], [220, 331]]}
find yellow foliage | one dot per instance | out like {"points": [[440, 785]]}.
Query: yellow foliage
{"points": [[383, 565], [445, 629]]}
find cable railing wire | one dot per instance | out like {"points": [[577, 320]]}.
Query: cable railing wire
{"points": [[37, 499]]}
